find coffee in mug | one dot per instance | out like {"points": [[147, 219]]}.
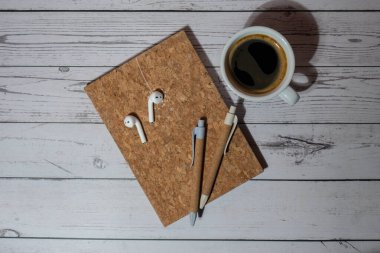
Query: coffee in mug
{"points": [[258, 63]]}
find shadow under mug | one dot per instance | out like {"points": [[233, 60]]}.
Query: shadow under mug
{"points": [[283, 90]]}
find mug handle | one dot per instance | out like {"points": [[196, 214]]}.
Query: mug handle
{"points": [[289, 95]]}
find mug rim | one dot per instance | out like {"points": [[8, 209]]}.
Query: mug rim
{"points": [[288, 53]]}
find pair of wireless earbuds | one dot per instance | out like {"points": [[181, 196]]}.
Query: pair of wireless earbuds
{"points": [[131, 121]]}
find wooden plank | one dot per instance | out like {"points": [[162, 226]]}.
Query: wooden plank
{"points": [[109, 38], [291, 151], [171, 246], [49, 94], [193, 5], [118, 209]]}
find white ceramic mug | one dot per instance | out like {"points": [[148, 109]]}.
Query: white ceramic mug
{"points": [[283, 90]]}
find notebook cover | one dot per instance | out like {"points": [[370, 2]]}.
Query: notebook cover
{"points": [[162, 165]]}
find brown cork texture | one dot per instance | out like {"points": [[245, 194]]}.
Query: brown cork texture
{"points": [[161, 166], [197, 174]]}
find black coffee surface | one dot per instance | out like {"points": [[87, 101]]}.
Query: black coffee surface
{"points": [[255, 64]]}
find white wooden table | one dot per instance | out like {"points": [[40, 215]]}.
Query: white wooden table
{"points": [[64, 186]]}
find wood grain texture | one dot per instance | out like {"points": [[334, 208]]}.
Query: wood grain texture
{"points": [[171, 246], [95, 208], [119, 209], [193, 5], [108, 39], [291, 151], [50, 94]]}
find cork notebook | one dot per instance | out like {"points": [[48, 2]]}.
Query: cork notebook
{"points": [[162, 165]]}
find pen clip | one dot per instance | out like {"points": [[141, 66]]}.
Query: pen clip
{"points": [[193, 146], [231, 133], [198, 133]]}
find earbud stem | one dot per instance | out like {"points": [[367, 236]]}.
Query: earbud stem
{"points": [[150, 111], [141, 132]]}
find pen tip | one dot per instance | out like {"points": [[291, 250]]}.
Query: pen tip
{"points": [[203, 201], [193, 216]]}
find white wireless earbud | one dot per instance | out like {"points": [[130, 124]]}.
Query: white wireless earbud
{"points": [[155, 98], [131, 121]]}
